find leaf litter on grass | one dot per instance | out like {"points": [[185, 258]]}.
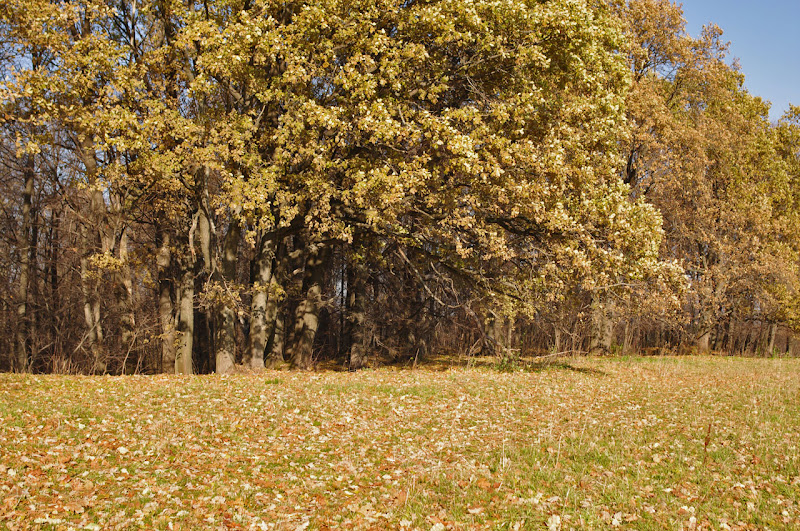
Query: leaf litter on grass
{"points": [[637, 443]]}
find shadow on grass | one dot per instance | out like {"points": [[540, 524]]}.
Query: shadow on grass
{"points": [[539, 366], [441, 363]]}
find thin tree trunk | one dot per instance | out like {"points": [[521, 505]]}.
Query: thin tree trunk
{"points": [[36, 340], [125, 305], [53, 295], [556, 338], [22, 355], [93, 240], [627, 338], [91, 309], [510, 329], [307, 315], [773, 330]]}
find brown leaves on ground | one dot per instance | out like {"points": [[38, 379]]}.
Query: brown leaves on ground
{"points": [[625, 444]]}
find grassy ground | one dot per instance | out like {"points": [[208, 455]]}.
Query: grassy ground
{"points": [[641, 443]]}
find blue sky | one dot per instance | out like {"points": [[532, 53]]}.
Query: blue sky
{"points": [[765, 36]]}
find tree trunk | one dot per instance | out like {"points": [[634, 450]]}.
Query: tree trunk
{"points": [[276, 312], [166, 311], [602, 335], [93, 240], [773, 330], [35, 338], [307, 315], [204, 324], [22, 355], [627, 337], [225, 345], [52, 266], [126, 307], [183, 356], [264, 304], [356, 319], [721, 334], [496, 331], [556, 338], [748, 339], [704, 342], [493, 327], [91, 311], [277, 342]]}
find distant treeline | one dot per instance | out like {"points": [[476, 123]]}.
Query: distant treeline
{"points": [[191, 186]]}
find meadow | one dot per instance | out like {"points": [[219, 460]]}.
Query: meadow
{"points": [[585, 443]]}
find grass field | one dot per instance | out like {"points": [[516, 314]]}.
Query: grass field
{"points": [[638, 443]]}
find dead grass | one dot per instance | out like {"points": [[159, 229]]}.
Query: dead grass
{"points": [[644, 443]]}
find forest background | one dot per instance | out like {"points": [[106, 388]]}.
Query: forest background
{"points": [[199, 186]]}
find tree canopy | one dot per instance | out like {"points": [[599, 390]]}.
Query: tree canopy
{"points": [[192, 186]]}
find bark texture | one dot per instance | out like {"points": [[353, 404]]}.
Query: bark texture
{"points": [[264, 305], [183, 355], [225, 344], [166, 310], [307, 315], [22, 356]]}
